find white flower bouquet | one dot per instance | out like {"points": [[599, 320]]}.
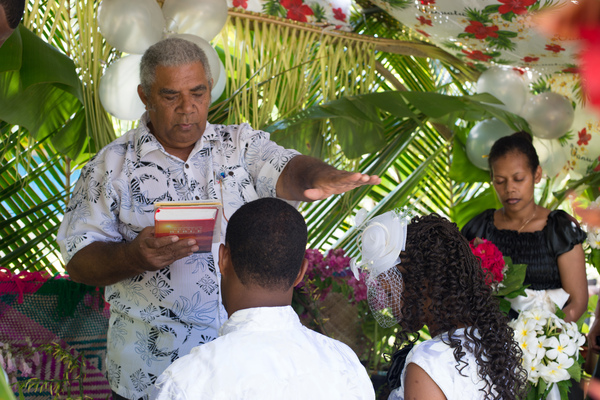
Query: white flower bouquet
{"points": [[550, 352]]}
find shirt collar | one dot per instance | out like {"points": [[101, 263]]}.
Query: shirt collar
{"points": [[146, 142], [261, 319]]}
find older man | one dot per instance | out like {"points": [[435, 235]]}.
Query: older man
{"points": [[164, 298]]}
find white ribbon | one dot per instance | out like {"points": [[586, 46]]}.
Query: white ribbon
{"points": [[545, 299]]}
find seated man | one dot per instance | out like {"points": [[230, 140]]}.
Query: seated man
{"points": [[263, 351]]}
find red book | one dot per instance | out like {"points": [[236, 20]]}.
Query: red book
{"points": [[189, 220]]}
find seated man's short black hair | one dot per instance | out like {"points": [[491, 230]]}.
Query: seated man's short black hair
{"points": [[267, 241], [14, 11]]}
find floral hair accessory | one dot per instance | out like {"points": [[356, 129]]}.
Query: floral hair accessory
{"points": [[380, 243]]}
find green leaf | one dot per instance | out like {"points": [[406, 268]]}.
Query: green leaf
{"points": [[5, 390], [69, 140], [463, 170], [434, 105], [42, 108], [464, 211], [11, 52], [42, 63], [513, 279]]}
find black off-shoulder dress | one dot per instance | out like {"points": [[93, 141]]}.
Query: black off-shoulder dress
{"points": [[539, 250]]}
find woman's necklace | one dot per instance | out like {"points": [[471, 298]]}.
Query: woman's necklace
{"points": [[525, 223]]}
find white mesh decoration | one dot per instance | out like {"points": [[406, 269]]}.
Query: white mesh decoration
{"points": [[384, 294], [380, 244]]}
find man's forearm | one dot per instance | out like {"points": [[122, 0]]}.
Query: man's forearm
{"points": [[103, 263]]}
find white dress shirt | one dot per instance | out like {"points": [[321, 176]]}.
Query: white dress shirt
{"points": [[266, 353]]}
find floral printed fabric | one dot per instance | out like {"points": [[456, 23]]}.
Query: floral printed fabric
{"points": [[437, 360], [156, 317], [332, 13], [482, 32], [266, 353]]}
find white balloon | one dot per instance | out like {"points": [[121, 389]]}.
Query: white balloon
{"points": [[219, 86], [204, 18], [550, 115], [506, 85], [118, 88], [214, 62], [482, 137], [552, 155], [131, 25]]}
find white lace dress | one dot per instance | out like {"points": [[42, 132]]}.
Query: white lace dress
{"points": [[437, 359]]}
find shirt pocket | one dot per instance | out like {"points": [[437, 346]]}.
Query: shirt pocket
{"points": [[237, 188]]}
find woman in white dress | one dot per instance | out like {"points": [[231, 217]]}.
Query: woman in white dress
{"points": [[424, 273]]}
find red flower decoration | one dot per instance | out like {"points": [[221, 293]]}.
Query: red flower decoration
{"points": [[339, 14], [516, 6], [519, 70], [424, 21], [477, 55], [556, 48], [530, 59], [481, 31], [491, 260], [297, 10], [240, 3], [423, 32], [571, 70], [584, 137], [427, 2]]}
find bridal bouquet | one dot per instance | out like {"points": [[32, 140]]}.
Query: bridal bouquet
{"points": [[550, 352]]}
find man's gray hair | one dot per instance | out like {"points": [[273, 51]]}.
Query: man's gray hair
{"points": [[170, 52]]}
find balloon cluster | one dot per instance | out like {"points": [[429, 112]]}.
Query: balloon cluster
{"points": [[132, 26], [549, 115]]}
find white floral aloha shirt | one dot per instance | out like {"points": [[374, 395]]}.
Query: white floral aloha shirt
{"points": [[156, 317], [265, 353]]}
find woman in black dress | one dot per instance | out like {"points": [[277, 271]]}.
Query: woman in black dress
{"points": [[549, 242]]}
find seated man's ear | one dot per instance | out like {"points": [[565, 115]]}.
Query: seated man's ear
{"points": [[301, 273], [224, 259]]}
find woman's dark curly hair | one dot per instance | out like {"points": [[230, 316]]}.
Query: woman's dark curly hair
{"points": [[441, 275]]}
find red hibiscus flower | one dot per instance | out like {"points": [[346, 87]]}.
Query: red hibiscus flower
{"points": [[516, 6], [339, 14], [423, 32], [491, 260], [481, 31], [556, 48], [424, 21], [530, 59], [240, 3], [477, 55], [297, 10], [427, 2], [584, 137]]}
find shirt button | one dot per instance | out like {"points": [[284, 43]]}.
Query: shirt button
{"points": [[187, 165], [197, 197], [230, 173]]}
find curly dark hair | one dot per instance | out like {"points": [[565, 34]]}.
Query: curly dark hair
{"points": [[444, 288]]}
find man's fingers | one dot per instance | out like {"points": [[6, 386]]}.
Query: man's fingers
{"points": [[157, 243]]}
